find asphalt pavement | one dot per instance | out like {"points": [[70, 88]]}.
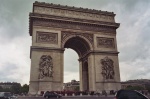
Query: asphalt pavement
{"points": [[69, 97]]}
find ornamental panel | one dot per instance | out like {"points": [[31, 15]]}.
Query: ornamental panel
{"points": [[45, 66], [46, 37], [105, 42], [107, 68]]}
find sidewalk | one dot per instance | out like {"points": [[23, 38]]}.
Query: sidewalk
{"points": [[75, 96], [90, 96]]}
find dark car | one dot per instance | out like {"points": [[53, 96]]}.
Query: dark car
{"points": [[129, 94], [51, 94], [6, 95]]}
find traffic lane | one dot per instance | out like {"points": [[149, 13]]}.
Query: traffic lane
{"points": [[68, 98]]}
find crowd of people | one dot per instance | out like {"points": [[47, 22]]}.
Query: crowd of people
{"points": [[76, 93]]}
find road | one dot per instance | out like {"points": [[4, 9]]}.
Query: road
{"points": [[73, 97]]}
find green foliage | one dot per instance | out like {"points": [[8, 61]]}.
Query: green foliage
{"points": [[134, 88], [16, 88], [25, 88], [148, 87], [6, 90], [77, 88], [1, 89]]}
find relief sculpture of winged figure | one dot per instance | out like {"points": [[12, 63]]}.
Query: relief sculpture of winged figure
{"points": [[45, 66], [107, 68]]}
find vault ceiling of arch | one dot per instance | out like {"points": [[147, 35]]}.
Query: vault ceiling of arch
{"points": [[78, 44]]}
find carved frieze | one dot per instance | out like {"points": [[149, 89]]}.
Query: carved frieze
{"points": [[46, 37], [107, 68], [74, 14], [68, 25], [66, 34], [45, 66], [105, 42]]}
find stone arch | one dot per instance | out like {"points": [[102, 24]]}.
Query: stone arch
{"points": [[86, 43], [82, 46], [52, 31]]}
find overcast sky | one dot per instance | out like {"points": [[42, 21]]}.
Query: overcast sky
{"points": [[133, 38]]}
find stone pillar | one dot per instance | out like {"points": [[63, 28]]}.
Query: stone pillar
{"points": [[112, 81], [46, 83], [91, 71], [80, 70]]}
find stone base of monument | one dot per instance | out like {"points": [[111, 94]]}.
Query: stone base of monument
{"points": [[65, 94], [73, 94]]}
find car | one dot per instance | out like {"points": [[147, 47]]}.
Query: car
{"points": [[129, 94], [7, 95], [48, 94], [13, 97]]}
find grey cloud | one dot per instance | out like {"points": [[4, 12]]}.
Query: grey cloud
{"points": [[71, 61], [8, 70], [14, 19], [141, 71], [134, 70], [133, 36]]}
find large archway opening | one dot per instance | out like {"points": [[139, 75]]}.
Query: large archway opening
{"points": [[71, 65], [81, 47]]}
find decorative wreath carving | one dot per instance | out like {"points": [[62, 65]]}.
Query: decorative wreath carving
{"points": [[45, 66], [107, 68]]}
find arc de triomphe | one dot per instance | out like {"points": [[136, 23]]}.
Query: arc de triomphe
{"points": [[91, 33]]}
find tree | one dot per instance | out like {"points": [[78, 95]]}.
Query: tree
{"points": [[1, 89], [25, 88], [77, 88], [134, 87], [16, 88], [147, 87]]}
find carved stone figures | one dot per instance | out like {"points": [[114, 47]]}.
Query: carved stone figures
{"points": [[45, 66], [107, 68], [105, 42], [47, 37]]}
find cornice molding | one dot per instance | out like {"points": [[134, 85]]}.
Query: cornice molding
{"points": [[37, 48], [46, 48], [44, 16], [41, 21], [58, 6], [99, 53]]}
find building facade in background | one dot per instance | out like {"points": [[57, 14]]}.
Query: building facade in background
{"points": [[91, 33], [72, 86], [143, 83], [8, 85]]}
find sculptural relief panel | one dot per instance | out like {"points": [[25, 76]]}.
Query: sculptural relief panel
{"points": [[107, 68], [45, 66], [105, 42], [73, 14], [46, 37]]}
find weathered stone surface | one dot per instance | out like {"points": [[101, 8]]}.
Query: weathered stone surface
{"points": [[94, 39], [76, 13]]}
